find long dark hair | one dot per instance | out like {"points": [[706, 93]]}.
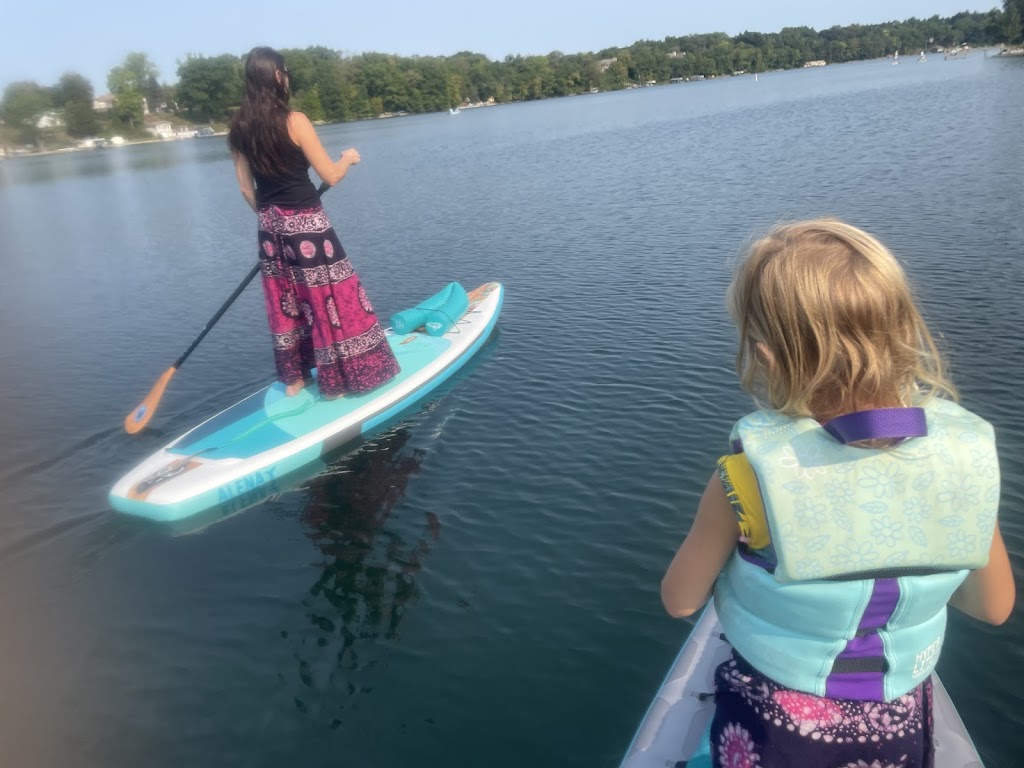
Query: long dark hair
{"points": [[259, 130]]}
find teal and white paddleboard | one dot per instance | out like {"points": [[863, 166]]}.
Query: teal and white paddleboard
{"points": [[674, 731], [246, 450]]}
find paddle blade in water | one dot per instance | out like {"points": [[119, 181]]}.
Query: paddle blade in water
{"points": [[139, 418]]}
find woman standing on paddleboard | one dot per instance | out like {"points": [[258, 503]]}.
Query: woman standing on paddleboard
{"points": [[319, 313], [855, 506]]}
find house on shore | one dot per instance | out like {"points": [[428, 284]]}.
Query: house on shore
{"points": [[105, 103], [50, 120]]}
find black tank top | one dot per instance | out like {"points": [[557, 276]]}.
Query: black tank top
{"points": [[293, 189]]}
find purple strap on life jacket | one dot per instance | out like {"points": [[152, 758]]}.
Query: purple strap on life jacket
{"points": [[858, 672], [878, 424]]}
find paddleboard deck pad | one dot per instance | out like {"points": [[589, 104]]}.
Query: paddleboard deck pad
{"points": [[247, 449], [674, 732]]}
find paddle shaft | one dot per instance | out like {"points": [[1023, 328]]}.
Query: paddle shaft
{"points": [[220, 312], [137, 419], [231, 300]]}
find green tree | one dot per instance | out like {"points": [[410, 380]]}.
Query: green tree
{"points": [[1013, 13], [625, 58], [129, 108], [383, 82], [209, 88], [480, 76], [153, 92], [535, 77], [616, 76], [454, 87], [332, 95], [129, 82], [309, 103], [171, 97], [21, 106], [74, 93], [134, 73]]}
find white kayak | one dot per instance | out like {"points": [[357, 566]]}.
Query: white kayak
{"points": [[673, 733], [246, 452]]}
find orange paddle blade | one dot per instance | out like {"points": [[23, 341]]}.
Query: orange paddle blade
{"points": [[140, 417]]}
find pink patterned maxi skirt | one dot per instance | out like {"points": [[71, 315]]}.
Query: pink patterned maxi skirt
{"points": [[759, 723], [320, 316]]}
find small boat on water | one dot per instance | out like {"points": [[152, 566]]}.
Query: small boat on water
{"points": [[922, 57], [674, 731], [896, 58], [454, 111]]}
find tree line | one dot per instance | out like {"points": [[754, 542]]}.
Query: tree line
{"points": [[329, 86]]}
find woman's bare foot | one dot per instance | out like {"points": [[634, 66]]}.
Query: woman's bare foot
{"points": [[293, 389]]}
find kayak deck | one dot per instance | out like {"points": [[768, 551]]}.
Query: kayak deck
{"points": [[673, 732]]}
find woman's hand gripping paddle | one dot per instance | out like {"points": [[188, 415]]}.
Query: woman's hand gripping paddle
{"points": [[139, 418]]}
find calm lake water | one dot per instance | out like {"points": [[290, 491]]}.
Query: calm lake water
{"points": [[477, 585]]}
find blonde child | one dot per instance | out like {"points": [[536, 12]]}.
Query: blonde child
{"points": [[856, 504]]}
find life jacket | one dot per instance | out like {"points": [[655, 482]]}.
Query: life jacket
{"points": [[846, 595]]}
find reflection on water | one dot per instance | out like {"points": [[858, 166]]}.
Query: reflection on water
{"points": [[147, 156], [367, 578]]}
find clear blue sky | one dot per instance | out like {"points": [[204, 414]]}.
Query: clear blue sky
{"points": [[42, 39]]}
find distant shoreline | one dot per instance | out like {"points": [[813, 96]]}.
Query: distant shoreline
{"points": [[987, 51], [125, 143]]}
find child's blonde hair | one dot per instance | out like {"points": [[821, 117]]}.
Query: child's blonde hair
{"points": [[827, 324]]}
